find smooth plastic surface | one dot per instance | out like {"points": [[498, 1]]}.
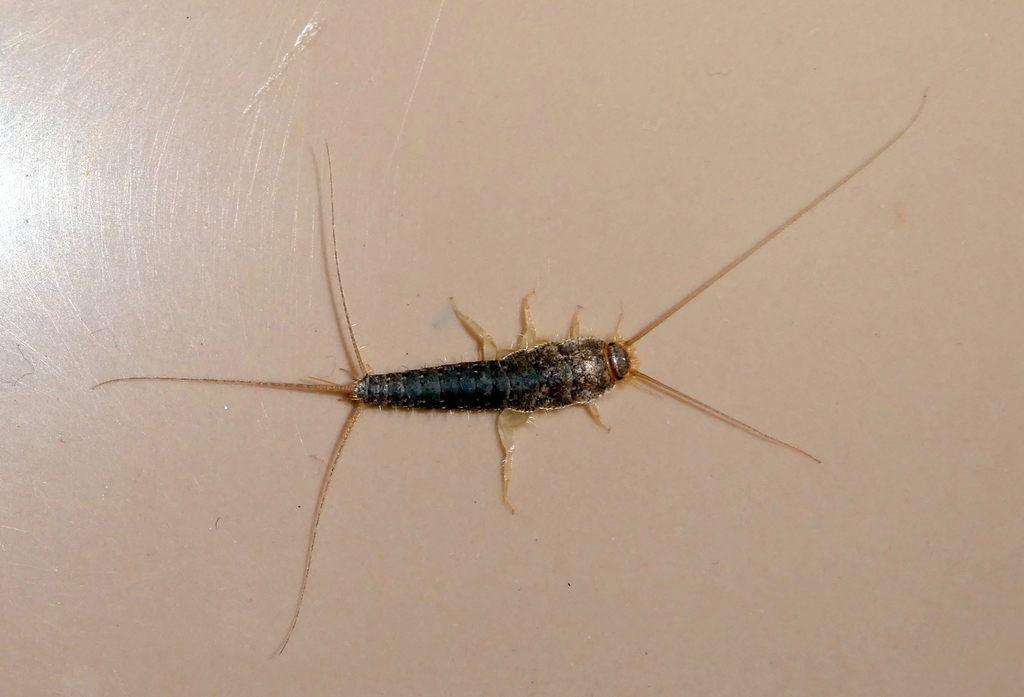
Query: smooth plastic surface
{"points": [[159, 208]]}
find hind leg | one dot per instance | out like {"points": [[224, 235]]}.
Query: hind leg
{"points": [[508, 420]]}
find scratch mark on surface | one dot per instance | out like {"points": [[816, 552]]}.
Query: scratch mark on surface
{"points": [[298, 434], [302, 41], [412, 93], [120, 682], [22, 376], [23, 36], [113, 337]]}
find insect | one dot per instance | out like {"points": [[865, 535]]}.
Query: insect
{"points": [[533, 376]]}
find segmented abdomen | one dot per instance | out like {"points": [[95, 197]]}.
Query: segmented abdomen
{"points": [[547, 376]]}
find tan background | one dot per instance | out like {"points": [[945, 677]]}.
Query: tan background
{"points": [[158, 205]]}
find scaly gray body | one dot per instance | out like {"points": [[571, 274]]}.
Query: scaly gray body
{"points": [[544, 377]]}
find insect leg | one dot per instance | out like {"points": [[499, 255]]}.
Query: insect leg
{"points": [[507, 420], [618, 325], [488, 349], [574, 329], [596, 415], [529, 336]]}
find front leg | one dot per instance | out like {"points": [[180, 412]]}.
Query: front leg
{"points": [[595, 415], [575, 330]]}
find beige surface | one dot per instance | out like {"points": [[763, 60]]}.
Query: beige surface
{"points": [[158, 212]]}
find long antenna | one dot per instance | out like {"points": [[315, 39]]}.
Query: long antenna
{"points": [[337, 270], [672, 392], [774, 233]]}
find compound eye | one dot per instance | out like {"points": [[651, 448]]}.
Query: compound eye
{"points": [[618, 359]]}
